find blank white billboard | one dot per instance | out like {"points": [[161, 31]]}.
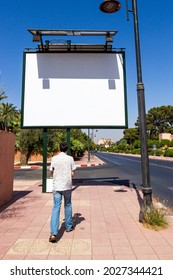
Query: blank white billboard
{"points": [[74, 90]]}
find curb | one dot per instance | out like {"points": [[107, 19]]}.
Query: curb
{"points": [[26, 167], [36, 167], [87, 164]]}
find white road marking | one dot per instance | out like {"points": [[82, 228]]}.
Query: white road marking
{"points": [[155, 164], [113, 161]]}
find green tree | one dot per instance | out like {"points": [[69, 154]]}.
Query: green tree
{"points": [[80, 136], [55, 137], [2, 95], [131, 134], [8, 112], [77, 147], [159, 120], [15, 123], [29, 141]]}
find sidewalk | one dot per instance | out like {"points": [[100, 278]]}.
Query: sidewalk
{"points": [[106, 225]]}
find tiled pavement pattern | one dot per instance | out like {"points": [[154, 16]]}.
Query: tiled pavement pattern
{"points": [[106, 226]]}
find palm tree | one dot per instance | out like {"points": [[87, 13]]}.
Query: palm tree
{"points": [[7, 114], [2, 95]]}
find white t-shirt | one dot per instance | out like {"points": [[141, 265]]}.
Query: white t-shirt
{"points": [[63, 165]]}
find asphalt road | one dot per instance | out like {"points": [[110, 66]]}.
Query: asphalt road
{"points": [[129, 168], [120, 169]]}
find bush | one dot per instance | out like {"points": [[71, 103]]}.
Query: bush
{"points": [[136, 151], [155, 219], [168, 153], [136, 144], [165, 142], [153, 142], [158, 152]]}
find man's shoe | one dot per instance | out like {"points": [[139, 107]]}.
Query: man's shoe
{"points": [[52, 238], [70, 229]]}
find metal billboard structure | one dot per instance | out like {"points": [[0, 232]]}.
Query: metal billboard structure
{"points": [[73, 85]]}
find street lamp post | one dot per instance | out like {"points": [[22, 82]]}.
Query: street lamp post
{"points": [[111, 6]]}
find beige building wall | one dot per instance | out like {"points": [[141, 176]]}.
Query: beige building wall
{"points": [[7, 149], [167, 136], [105, 142]]}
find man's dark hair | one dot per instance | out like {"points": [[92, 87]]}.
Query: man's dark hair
{"points": [[63, 147]]}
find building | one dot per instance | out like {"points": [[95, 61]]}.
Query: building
{"points": [[105, 142], [167, 136]]}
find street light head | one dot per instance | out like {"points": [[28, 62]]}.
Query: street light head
{"points": [[110, 6]]}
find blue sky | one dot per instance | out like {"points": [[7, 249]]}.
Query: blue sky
{"points": [[156, 39]]}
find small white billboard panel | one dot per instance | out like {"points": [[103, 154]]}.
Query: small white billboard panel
{"points": [[74, 90]]}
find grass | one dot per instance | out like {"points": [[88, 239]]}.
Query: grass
{"points": [[156, 218]]}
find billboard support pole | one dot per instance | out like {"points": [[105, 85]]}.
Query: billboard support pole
{"points": [[68, 141], [44, 174]]}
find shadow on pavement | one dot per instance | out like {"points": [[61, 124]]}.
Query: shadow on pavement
{"points": [[77, 219], [112, 181], [102, 181], [17, 195]]}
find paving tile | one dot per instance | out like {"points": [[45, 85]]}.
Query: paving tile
{"points": [[123, 250], [57, 257], [81, 247], [103, 257], [163, 250], [8, 240], [103, 235], [165, 257], [107, 227], [82, 235], [81, 202], [147, 257], [124, 257], [33, 246], [120, 243], [13, 257], [35, 257], [63, 247], [40, 247], [4, 248], [100, 241], [80, 257], [102, 250], [143, 250], [157, 242], [119, 234], [138, 242], [29, 235], [43, 235], [111, 228]]}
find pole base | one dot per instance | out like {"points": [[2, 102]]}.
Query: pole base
{"points": [[147, 199]]}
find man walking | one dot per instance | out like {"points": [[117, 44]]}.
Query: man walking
{"points": [[62, 168]]}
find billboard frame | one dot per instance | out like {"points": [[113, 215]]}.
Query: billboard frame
{"points": [[112, 51]]}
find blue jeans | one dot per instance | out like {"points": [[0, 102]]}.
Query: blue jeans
{"points": [[55, 219]]}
